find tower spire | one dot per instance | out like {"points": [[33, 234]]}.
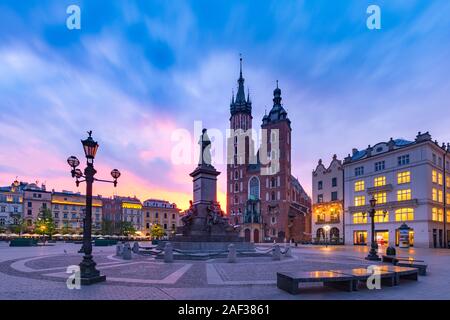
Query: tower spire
{"points": [[240, 58]]}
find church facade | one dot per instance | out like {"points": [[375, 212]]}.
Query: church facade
{"points": [[263, 197]]}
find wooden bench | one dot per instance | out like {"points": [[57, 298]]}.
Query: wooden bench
{"points": [[362, 274], [289, 281], [419, 265], [402, 273]]}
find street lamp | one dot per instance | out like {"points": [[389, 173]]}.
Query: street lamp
{"points": [[89, 274], [373, 256], [327, 230]]}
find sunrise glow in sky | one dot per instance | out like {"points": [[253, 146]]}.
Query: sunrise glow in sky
{"points": [[139, 70]]}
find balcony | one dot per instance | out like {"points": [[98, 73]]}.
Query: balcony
{"points": [[385, 188], [330, 221]]}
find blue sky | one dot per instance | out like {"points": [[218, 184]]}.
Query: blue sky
{"points": [[137, 70]]}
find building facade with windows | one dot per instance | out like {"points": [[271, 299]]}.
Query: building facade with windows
{"points": [[263, 198], [409, 180], [131, 211], [69, 208], [11, 204], [328, 202], [160, 212], [35, 199]]}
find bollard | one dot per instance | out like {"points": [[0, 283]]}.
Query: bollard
{"points": [[135, 247], [126, 253], [288, 250], [168, 253], [119, 249], [276, 253], [231, 253]]}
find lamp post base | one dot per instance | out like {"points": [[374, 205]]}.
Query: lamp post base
{"points": [[89, 274], [373, 258], [92, 280]]}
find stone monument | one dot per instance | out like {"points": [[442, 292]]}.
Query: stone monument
{"points": [[205, 225]]}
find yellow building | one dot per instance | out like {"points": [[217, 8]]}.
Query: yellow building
{"points": [[35, 199], [161, 212], [68, 211]]}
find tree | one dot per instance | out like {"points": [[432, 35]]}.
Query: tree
{"points": [[16, 224], [157, 231], [45, 224], [127, 228], [66, 230]]}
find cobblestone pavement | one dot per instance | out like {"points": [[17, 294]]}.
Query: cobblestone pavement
{"points": [[39, 273]]}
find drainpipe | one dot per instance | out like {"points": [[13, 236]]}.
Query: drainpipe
{"points": [[447, 149], [343, 204]]}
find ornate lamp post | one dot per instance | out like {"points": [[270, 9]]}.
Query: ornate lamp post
{"points": [[327, 230], [373, 256], [89, 274]]}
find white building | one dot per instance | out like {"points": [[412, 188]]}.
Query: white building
{"points": [[407, 179], [11, 204], [328, 196]]}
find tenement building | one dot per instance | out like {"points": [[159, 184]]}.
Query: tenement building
{"points": [[11, 204], [263, 197], [410, 181], [328, 202], [35, 200], [69, 210], [160, 212]]}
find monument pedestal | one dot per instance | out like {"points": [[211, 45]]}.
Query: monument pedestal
{"points": [[206, 230]]}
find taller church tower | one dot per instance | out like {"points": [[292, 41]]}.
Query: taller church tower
{"points": [[238, 153]]}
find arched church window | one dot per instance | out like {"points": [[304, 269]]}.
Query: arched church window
{"points": [[254, 188], [236, 187]]}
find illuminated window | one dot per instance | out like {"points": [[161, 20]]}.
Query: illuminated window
{"points": [[404, 214], [434, 194], [321, 217], [359, 185], [359, 217], [448, 182], [437, 214], [434, 176], [380, 181], [404, 177], [381, 216], [440, 196], [403, 195], [448, 198], [381, 197], [360, 201], [440, 179]]}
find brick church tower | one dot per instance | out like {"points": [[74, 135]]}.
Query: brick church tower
{"points": [[263, 197], [240, 122]]}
